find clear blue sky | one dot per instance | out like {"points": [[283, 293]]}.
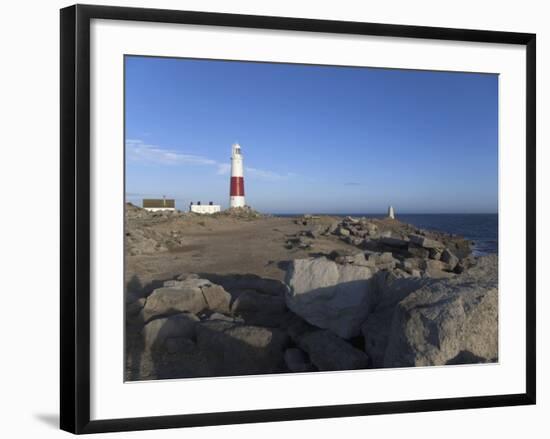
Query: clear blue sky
{"points": [[314, 138]]}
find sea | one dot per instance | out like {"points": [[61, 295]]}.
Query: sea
{"points": [[480, 228]]}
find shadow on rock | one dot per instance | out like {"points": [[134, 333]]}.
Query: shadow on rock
{"points": [[466, 357], [136, 288], [135, 299]]}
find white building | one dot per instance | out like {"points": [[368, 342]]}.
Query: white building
{"points": [[391, 212], [207, 209]]}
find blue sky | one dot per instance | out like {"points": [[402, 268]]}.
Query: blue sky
{"points": [[314, 138]]}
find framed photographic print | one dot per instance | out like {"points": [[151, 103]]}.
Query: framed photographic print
{"points": [[303, 218]]}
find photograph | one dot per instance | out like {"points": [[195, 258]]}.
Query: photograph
{"points": [[275, 219], [288, 218]]}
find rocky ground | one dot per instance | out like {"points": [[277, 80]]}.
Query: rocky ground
{"points": [[241, 293]]}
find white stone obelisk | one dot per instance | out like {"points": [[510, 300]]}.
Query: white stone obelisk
{"points": [[391, 213], [236, 188]]}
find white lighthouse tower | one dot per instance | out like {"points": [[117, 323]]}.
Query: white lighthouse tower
{"points": [[236, 191]]}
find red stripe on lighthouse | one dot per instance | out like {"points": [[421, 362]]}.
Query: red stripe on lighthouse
{"points": [[237, 187]]}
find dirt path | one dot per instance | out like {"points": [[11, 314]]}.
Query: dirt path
{"points": [[226, 245]]}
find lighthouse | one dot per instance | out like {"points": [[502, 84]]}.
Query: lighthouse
{"points": [[236, 190]]}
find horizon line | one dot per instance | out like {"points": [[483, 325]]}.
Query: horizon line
{"points": [[381, 213], [342, 212]]}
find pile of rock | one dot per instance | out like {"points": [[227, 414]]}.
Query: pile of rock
{"points": [[304, 238], [241, 213], [146, 240], [306, 220], [194, 327], [141, 235], [298, 241], [355, 231], [416, 252], [393, 233]]}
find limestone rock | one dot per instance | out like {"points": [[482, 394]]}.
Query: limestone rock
{"points": [[295, 326], [444, 321], [168, 301], [297, 361], [157, 331], [173, 283], [179, 344], [332, 228], [434, 326], [239, 282], [361, 260], [314, 232], [449, 258], [185, 276], [377, 258], [220, 316], [436, 269], [419, 252], [342, 231], [329, 295], [217, 299], [351, 220], [259, 309], [353, 240], [435, 253], [329, 352], [249, 301], [348, 257], [394, 242], [425, 242], [133, 308], [376, 328], [370, 227], [412, 264], [192, 295], [236, 349]]}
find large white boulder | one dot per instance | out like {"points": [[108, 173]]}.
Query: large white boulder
{"points": [[443, 321], [329, 295]]}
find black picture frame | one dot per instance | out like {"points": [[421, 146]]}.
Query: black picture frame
{"points": [[75, 217]]}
